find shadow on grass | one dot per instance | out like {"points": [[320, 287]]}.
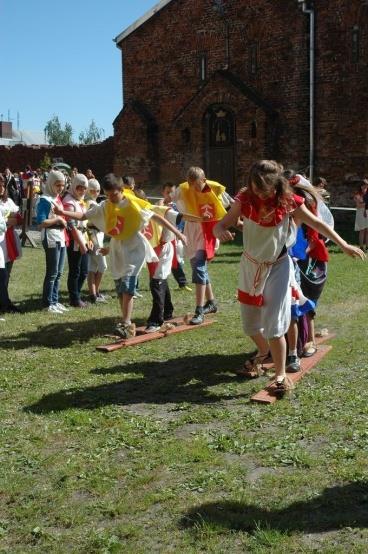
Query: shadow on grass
{"points": [[178, 380], [62, 334], [334, 508]]}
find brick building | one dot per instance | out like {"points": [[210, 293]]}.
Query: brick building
{"points": [[220, 83]]}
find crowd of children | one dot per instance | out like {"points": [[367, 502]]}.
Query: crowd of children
{"points": [[283, 267]]}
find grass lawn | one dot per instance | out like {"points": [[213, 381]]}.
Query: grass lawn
{"points": [[157, 448]]}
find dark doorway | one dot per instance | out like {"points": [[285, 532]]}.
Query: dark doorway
{"points": [[219, 146]]}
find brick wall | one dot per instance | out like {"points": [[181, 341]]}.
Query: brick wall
{"points": [[165, 100], [98, 157]]}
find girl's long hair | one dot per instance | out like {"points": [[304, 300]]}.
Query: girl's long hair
{"points": [[363, 183], [266, 176], [4, 197], [308, 192]]}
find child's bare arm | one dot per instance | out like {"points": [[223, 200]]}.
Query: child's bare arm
{"points": [[59, 220], [193, 218], [171, 227], [229, 220], [66, 213]]}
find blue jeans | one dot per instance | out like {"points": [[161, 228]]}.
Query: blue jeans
{"points": [[78, 271], [55, 258], [199, 268]]}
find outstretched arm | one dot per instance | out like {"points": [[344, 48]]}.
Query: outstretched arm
{"points": [[303, 215], [229, 220], [65, 213], [171, 227]]}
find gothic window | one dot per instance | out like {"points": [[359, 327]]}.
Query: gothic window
{"points": [[253, 58], [355, 46], [220, 128], [202, 67]]}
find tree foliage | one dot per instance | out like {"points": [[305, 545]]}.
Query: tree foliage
{"points": [[46, 162], [92, 134], [55, 134]]}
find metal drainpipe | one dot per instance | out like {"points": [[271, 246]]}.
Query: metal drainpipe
{"points": [[310, 11]]}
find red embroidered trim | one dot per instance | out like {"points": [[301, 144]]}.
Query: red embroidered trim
{"points": [[295, 293], [294, 180], [251, 206], [245, 298]]}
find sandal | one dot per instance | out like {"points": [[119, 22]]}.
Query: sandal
{"points": [[282, 386], [253, 366], [309, 350]]}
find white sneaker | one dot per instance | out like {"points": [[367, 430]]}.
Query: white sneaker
{"points": [[61, 307], [101, 300], [53, 309], [105, 296], [152, 328]]}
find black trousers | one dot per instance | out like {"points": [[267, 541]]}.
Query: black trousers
{"points": [[179, 275], [4, 296], [162, 307], [78, 271]]}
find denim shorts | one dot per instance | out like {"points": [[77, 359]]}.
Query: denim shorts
{"points": [[126, 285], [199, 268]]}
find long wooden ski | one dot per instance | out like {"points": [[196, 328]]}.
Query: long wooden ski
{"points": [[141, 336], [269, 396]]}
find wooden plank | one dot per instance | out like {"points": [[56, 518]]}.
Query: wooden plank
{"points": [[146, 337], [268, 396], [141, 330]]}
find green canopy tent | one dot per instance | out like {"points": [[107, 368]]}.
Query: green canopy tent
{"points": [[62, 165]]}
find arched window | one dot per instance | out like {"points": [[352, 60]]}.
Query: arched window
{"points": [[355, 44], [202, 67]]}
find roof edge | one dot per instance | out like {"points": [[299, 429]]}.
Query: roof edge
{"points": [[150, 13]]}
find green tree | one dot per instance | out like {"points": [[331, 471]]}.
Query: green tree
{"points": [[46, 162], [92, 134], [55, 134]]}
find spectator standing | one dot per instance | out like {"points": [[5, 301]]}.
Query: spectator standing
{"points": [[77, 250], [320, 186], [96, 259], [10, 246], [361, 219], [12, 187], [53, 236]]}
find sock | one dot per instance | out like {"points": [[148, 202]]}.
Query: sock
{"points": [[293, 352]]}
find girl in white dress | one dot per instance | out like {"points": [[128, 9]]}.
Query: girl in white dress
{"points": [[270, 213]]}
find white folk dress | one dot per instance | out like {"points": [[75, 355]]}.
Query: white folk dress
{"points": [[264, 290]]}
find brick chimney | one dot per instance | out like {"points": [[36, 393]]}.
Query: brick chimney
{"points": [[6, 129]]}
